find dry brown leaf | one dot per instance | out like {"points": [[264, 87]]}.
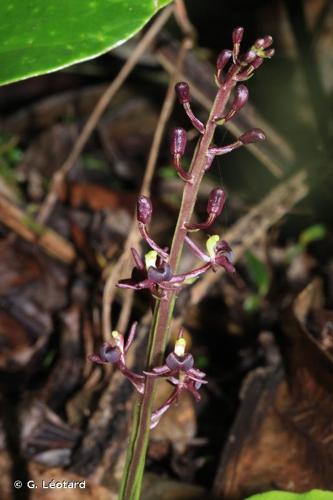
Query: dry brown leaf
{"points": [[283, 435]]}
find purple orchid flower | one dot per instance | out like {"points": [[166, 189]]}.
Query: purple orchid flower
{"points": [[155, 275], [114, 353], [180, 372], [219, 253]]}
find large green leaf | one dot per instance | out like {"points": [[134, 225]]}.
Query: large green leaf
{"points": [[281, 495], [39, 36]]}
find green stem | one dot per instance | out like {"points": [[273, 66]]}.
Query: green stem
{"points": [[159, 334]]}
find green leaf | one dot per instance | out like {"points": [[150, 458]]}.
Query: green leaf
{"points": [[258, 272], [39, 36], [281, 495], [312, 233]]}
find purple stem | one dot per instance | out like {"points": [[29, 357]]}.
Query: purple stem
{"points": [[131, 336], [202, 225], [225, 149], [180, 171], [194, 120], [196, 250], [179, 278], [151, 242]]}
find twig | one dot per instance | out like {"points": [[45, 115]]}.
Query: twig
{"points": [[183, 19], [47, 239], [59, 176], [133, 236]]}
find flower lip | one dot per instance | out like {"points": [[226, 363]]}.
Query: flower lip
{"points": [[183, 363], [161, 273], [110, 354]]}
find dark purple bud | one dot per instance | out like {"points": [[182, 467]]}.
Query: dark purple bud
{"points": [[223, 59], [253, 135], [241, 98], [183, 92], [263, 43], [144, 209], [237, 35], [269, 53], [109, 354], [216, 201], [178, 142], [259, 43], [257, 62], [249, 56]]}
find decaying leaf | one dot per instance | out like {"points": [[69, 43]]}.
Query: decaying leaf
{"points": [[283, 435]]}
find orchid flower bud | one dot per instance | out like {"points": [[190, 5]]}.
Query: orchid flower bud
{"points": [[257, 62], [269, 53], [216, 201], [240, 99], [253, 135], [177, 149], [237, 35], [178, 142], [263, 43], [249, 56], [183, 92], [144, 210], [223, 59]]}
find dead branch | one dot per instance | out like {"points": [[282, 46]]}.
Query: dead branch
{"points": [[48, 240]]}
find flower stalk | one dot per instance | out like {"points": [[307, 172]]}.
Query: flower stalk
{"points": [[158, 272]]}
